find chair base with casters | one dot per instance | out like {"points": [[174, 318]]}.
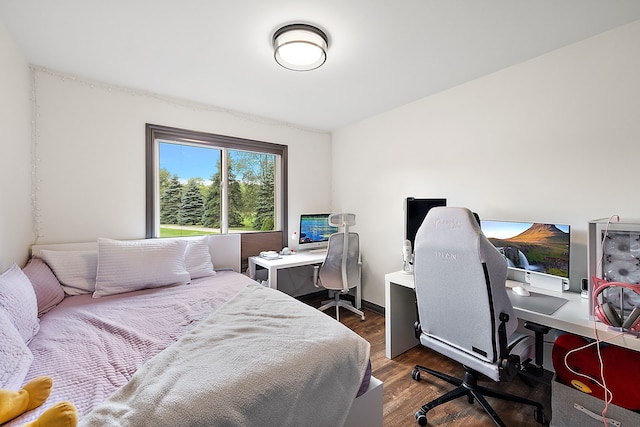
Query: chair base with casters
{"points": [[336, 301], [469, 387], [510, 366]]}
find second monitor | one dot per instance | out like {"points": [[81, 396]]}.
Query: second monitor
{"points": [[415, 211]]}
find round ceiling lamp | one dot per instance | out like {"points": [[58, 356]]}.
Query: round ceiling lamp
{"points": [[300, 47]]}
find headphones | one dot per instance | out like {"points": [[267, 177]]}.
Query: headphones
{"points": [[606, 311]]}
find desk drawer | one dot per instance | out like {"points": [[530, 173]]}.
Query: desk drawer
{"points": [[571, 407]]}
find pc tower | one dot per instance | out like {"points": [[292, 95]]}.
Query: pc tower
{"points": [[614, 255]]}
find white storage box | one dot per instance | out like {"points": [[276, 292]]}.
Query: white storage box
{"points": [[571, 407]]}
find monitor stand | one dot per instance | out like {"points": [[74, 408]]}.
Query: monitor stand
{"points": [[539, 280], [544, 281]]}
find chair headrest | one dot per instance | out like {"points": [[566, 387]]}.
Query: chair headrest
{"points": [[452, 215], [451, 221], [342, 219]]}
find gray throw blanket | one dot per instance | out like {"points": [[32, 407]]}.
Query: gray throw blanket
{"points": [[262, 359]]}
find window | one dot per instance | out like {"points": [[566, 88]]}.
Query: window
{"points": [[199, 183]]}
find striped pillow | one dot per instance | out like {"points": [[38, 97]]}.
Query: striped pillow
{"points": [[125, 266], [48, 291], [76, 270]]}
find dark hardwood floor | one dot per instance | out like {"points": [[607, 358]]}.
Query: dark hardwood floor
{"points": [[403, 396]]}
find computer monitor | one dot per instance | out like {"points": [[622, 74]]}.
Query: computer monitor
{"points": [[415, 211], [536, 253], [315, 231]]}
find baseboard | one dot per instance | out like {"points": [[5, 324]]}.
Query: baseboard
{"points": [[313, 295], [373, 307]]}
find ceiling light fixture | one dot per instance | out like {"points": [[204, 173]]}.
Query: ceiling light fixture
{"points": [[300, 47]]}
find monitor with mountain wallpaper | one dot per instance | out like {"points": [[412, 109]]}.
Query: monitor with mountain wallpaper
{"points": [[532, 247]]}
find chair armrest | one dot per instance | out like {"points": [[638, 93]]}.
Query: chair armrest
{"points": [[316, 280], [537, 368], [502, 336], [509, 364]]}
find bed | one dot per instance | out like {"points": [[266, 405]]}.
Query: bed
{"points": [[135, 335]]}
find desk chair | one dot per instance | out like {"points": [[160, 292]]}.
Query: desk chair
{"points": [[464, 311], [340, 271]]}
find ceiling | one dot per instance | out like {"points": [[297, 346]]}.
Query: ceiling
{"points": [[382, 53]]}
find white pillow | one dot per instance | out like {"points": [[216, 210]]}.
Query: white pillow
{"points": [[198, 258], [76, 270], [125, 266], [15, 356]]}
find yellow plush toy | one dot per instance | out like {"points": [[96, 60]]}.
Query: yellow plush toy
{"points": [[32, 395]]}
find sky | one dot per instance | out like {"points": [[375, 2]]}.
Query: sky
{"points": [[189, 162], [506, 229]]}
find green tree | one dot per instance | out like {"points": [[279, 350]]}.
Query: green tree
{"points": [[249, 192], [234, 210], [211, 208], [164, 177], [170, 200], [266, 195], [212, 201], [247, 166], [191, 206], [267, 224]]}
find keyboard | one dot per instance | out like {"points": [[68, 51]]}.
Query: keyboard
{"points": [[318, 251]]}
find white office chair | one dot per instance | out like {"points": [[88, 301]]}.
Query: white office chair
{"points": [[464, 310], [340, 271]]}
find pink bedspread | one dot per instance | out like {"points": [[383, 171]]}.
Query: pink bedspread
{"points": [[261, 359], [92, 346]]}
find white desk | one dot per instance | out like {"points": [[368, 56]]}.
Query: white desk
{"points": [[573, 316], [287, 261]]}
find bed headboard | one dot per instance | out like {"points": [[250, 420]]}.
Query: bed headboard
{"points": [[224, 249]]}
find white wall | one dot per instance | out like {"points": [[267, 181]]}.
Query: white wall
{"points": [[555, 139], [91, 146], [15, 154]]}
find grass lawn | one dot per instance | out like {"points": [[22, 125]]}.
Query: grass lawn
{"points": [[177, 232], [181, 232]]}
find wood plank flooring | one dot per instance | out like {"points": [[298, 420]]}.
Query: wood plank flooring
{"points": [[403, 396]]}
